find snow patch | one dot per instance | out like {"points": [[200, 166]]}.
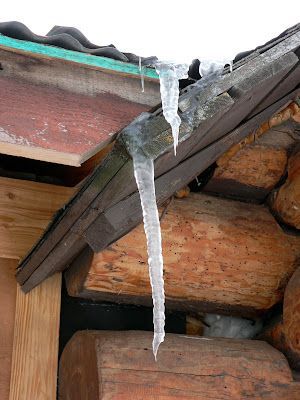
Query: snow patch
{"points": [[11, 138], [230, 327]]}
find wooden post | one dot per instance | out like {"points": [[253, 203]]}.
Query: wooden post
{"points": [[120, 366], [35, 345], [219, 255], [29, 326], [8, 288]]}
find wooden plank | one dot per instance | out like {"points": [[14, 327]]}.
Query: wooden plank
{"points": [[8, 288], [42, 263], [114, 163], [120, 365], [286, 85], [77, 78], [35, 346], [46, 258], [23, 46], [126, 214], [201, 235], [244, 93], [65, 128], [25, 211]]}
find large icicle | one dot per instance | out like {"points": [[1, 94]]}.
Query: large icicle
{"points": [[144, 175], [169, 75]]}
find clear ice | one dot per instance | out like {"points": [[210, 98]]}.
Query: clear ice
{"points": [[208, 67], [169, 75], [144, 176], [141, 69]]}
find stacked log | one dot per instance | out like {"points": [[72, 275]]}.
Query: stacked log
{"points": [[251, 169], [284, 332], [219, 256], [285, 202], [120, 366]]}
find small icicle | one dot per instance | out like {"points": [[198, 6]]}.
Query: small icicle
{"points": [[144, 176], [169, 75], [208, 67], [141, 68]]}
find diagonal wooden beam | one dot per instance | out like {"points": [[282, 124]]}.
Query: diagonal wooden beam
{"points": [[113, 182]]}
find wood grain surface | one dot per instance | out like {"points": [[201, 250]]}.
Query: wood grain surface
{"points": [[25, 211], [285, 202], [35, 345], [8, 289], [50, 124], [219, 253], [121, 366]]}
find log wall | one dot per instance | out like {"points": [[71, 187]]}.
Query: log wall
{"points": [[219, 255], [120, 366]]}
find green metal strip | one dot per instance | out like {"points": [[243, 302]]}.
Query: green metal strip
{"points": [[75, 56]]}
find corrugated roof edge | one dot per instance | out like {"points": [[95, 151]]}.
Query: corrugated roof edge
{"points": [[75, 56]]}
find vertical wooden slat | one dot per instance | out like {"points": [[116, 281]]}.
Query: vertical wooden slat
{"points": [[35, 346], [8, 286]]}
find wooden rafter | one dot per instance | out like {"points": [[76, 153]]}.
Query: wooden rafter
{"points": [[215, 116]]}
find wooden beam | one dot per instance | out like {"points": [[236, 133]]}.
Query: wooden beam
{"points": [[29, 324], [25, 211], [90, 209], [201, 236], [63, 252], [120, 365], [8, 288], [77, 78], [44, 51], [35, 345]]}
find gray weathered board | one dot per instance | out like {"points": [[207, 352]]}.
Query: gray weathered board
{"points": [[216, 114]]}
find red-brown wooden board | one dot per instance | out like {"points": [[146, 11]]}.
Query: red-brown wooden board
{"points": [[50, 124]]}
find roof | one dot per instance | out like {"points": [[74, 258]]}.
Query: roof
{"points": [[216, 113], [64, 106], [68, 38]]}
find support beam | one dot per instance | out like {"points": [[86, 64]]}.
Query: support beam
{"points": [[29, 324], [35, 345], [8, 288]]}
